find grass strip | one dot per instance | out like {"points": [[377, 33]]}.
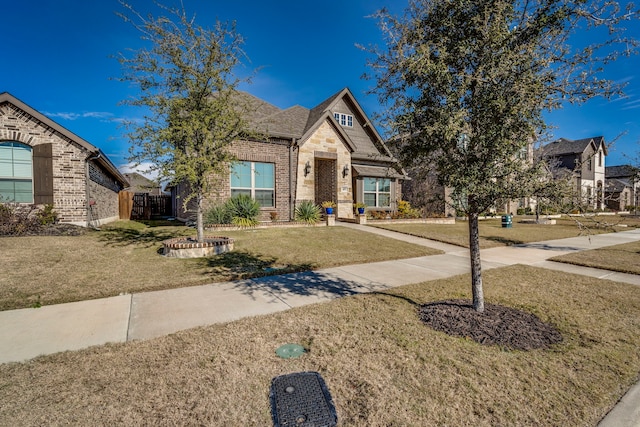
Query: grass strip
{"points": [[624, 258], [124, 258], [382, 365]]}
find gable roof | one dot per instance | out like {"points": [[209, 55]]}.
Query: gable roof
{"points": [[565, 146], [622, 171], [299, 122], [94, 152], [616, 185], [138, 180]]}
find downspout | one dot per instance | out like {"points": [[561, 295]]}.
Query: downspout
{"points": [[292, 189], [88, 194]]}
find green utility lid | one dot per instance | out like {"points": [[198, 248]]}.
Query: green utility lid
{"points": [[290, 351]]}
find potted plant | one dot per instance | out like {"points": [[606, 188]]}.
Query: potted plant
{"points": [[360, 207], [329, 206]]}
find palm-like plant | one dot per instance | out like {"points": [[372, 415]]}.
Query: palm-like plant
{"points": [[308, 212], [244, 210]]}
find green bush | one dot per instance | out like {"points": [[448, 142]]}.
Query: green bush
{"points": [[47, 215], [217, 215], [405, 211], [308, 212], [244, 211]]}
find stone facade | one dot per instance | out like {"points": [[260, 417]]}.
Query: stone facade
{"points": [[325, 144], [72, 186]]}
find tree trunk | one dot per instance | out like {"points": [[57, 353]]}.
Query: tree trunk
{"points": [[199, 218], [476, 268]]}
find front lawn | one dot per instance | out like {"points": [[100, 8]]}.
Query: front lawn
{"points": [[492, 234], [382, 365], [624, 258], [123, 258]]}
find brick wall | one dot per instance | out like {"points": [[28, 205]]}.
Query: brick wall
{"points": [[252, 151], [68, 158], [103, 196]]}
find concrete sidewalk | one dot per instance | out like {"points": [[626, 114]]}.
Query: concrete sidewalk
{"points": [[27, 333]]}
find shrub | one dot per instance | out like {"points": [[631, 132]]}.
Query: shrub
{"points": [[308, 212], [243, 210], [47, 215], [21, 220], [406, 211], [378, 214], [217, 215]]}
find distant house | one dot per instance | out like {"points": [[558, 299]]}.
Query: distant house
{"points": [[43, 163], [331, 152], [141, 184], [584, 159], [623, 187]]}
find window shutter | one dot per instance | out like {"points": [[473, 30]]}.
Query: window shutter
{"points": [[43, 174]]}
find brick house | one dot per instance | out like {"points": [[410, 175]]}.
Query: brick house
{"points": [[585, 160], [330, 152], [42, 163]]}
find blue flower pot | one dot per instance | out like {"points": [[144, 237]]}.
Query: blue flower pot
{"points": [[329, 211], [360, 211]]}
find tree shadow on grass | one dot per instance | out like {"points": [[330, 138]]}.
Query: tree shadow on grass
{"points": [[397, 296], [123, 236], [237, 265], [503, 240]]}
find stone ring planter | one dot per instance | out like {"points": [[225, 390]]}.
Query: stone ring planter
{"points": [[188, 247]]}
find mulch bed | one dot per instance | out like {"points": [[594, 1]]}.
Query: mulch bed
{"points": [[46, 230], [497, 325]]}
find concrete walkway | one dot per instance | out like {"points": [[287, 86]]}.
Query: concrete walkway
{"points": [[27, 333]]}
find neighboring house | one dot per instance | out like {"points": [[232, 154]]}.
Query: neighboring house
{"points": [[623, 187], [330, 152], [43, 163], [141, 184], [584, 159]]}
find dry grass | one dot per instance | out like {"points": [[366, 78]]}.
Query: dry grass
{"points": [[124, 258], [624, 258], [381, 364], [493, 235]]}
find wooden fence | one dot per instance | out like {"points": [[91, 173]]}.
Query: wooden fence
{"points": [[143, 205]]}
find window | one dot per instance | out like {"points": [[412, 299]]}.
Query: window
{"points": [[16, 176], [344, 119], [377, 192], [256, 180], [599, 158], [523, 154]]}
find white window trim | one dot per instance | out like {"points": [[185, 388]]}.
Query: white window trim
{"points": [[377, 192], [345, 120], [13, 178], [253, 188]]}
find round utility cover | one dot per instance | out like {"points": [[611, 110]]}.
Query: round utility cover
{"points": [[290, 351]]}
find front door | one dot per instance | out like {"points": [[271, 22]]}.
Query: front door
{"points": [[326, 182]]}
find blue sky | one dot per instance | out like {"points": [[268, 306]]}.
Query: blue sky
{"points": [[58, 57]]}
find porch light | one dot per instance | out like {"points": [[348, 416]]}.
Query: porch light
{"points": [[345, 171], [307, 168]]}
